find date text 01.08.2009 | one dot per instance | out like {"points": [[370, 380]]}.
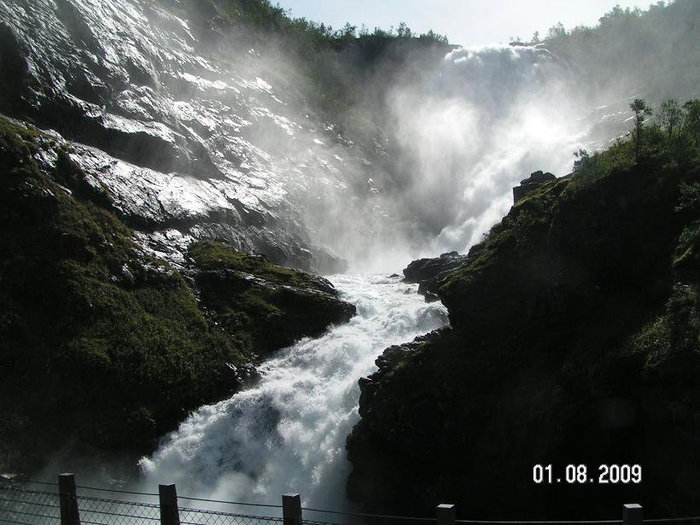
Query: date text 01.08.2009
{"points": [[580, 474]]}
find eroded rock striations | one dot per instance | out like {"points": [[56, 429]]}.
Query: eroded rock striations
{"points": [[171, 119], [574, 340]]}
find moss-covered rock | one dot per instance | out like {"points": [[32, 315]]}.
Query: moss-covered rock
{"points": [[571, 343], [105, 346], [270, 306]]}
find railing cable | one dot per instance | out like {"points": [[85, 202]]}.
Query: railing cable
{"points": [[117, 491], [363, 515], [41, 482], [670, 520], [190, 498]]}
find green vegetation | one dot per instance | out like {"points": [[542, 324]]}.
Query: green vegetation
{"points": [[671, 342], [211, 256], [641, 111], [656, 49], [267, 306], [670, 116], [668, 142], [99, 341], [512, 236], [341, 67], [268, 18], [101, 344]]}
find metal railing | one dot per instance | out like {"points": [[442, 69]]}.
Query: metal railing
{"points": [[60, 504], [22, 506]]}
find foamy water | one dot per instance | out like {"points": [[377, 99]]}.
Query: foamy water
{"points": [[287, 434]]}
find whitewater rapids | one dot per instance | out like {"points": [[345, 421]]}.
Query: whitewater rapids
{"points": [[287, 433]]}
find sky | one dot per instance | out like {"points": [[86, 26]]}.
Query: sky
{"points": [[470, 23]]}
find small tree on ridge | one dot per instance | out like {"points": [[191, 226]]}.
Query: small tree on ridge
{"points": [[670, 116], [641, 111]]}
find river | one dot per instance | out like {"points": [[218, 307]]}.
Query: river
{"points": [[287, 433]]}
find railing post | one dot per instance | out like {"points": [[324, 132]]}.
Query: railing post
{"points": [[69, 500], [445, 514], [632, 514], [291, 509], [169, 514]]}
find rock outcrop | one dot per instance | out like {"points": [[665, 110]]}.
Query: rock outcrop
{"points": [[527, 186], [271, 305], [428, 272]]}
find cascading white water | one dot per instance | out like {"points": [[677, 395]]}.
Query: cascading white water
{"points": [[483, 121], [287, 434]]}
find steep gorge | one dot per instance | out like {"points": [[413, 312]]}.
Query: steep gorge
{"points": [[167, 155]]}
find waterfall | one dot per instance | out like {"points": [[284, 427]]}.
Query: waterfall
{"points": [[287, 433]]}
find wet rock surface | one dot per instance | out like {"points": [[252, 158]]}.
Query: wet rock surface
{"points": [[177, 130]]}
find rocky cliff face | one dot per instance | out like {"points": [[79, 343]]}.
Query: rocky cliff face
{"points": [[186, 132], [104, 344], [574, 340]]}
